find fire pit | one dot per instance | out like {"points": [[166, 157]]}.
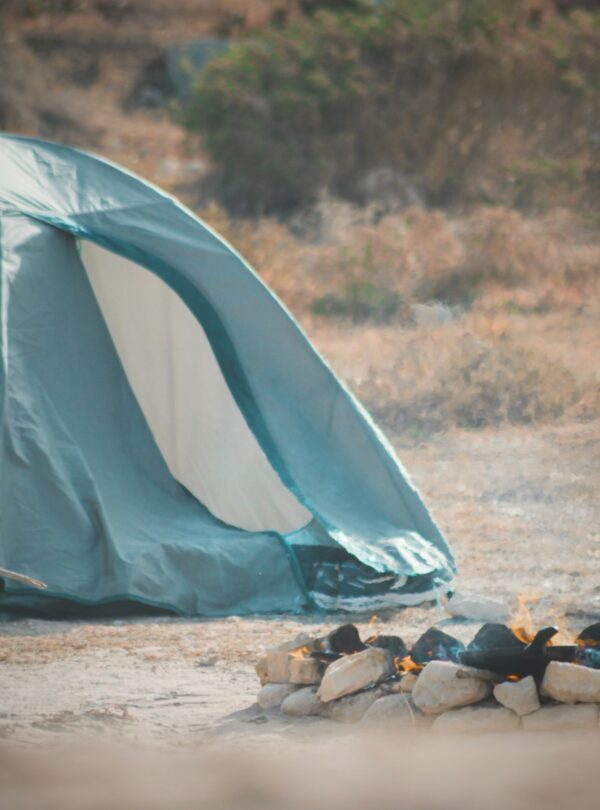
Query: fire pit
{"points": [[504, 679]]}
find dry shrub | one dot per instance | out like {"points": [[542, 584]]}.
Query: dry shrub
{"points": [[268, 247], [449, 378], [346, 261]]}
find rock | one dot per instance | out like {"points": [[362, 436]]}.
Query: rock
{"points": [[520, 696], [303, 702], [407, 684], [559, 718], [478, 608], [354, 672], [491, 636], [272, 695], [351, 709], [345, 640], [438, 688], [435, 645], [477, 719], [404, 685], [433, 314], [571, 683], [305, 671], [279, 658], [262, 670], [394, 710]]}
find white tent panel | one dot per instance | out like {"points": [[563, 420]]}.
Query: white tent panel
{"points": [[185, 399]]}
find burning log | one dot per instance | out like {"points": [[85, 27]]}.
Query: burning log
{"points": [[589, 637], [519, 662], [345, 640], [434, 645], [492, 636]]}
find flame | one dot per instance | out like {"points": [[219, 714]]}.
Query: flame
{"points": [[406, 664], [522, 623], [301, 652], [372, 622]]}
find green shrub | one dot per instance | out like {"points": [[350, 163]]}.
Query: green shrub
{"points": [[424, 87], [360, 301]]}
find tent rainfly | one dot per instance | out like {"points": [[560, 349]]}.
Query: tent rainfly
{"points": [[169, 436]]}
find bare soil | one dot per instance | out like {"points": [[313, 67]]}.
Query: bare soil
{"points": [[519, 507]]}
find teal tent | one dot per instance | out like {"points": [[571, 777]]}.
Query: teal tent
{"points": [[169, 436]]}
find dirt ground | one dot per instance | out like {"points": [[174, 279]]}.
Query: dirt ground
{"points": [[519, 507]]}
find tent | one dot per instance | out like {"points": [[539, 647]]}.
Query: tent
{"points": [[169, 436]]}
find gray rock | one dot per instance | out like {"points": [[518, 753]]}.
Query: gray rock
{"points": [[432, 314], [352, 708], [438, 688], [262, 670], [272, 695], [562, 718], [305, 671], [352, 673], [279, 658], [519, 696], [395, 710], [571, 683], [477, 719], [302, 703], [477, 608]]}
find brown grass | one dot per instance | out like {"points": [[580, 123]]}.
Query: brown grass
{"points": [[518, 344]]}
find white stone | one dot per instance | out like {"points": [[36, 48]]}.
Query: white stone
{"points": [[433, 314], [438, 688], [305, 671], [303, 702], [477, 719], [279, 658], [571, 683], [262, 670], [351, 709], [407, 684], [477, 608], [272, 695], [395, 710], [520, 696], [354, 672], [562, 718]]}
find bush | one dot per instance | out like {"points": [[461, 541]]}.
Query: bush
{"points": [[360, 301], [447, 93], [472, 382]]}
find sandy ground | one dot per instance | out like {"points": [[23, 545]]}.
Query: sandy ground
{"points": [[519, 507]]}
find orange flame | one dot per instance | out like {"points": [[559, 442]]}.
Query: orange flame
{"points": [[372, 622], [301, 652], [522, 623], [406, 664]]}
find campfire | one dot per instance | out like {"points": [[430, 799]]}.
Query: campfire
{"points": [[505, 678]]}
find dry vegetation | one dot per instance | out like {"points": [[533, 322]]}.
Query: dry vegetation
{"points": [[475, 316], [493, 315]]}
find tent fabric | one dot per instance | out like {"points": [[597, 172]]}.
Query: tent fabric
{"points": [[184, 397], [95, 501]]}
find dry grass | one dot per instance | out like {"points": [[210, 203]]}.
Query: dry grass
{"points": [[516, 346]]}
